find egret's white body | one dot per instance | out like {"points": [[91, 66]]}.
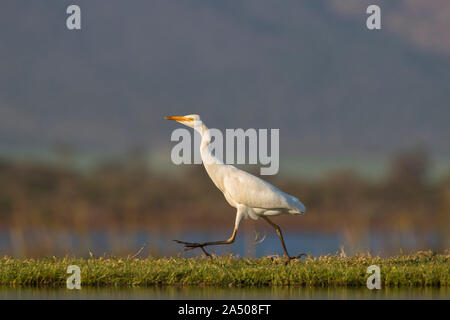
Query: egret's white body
{"points": [[252, 197]]}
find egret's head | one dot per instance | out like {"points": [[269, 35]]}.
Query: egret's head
{"points": [[188, 120]]}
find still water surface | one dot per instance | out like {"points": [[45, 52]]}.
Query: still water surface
{"points": [[224, 293]]}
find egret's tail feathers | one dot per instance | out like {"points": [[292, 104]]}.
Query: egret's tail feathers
{"points": [[297, 208]]}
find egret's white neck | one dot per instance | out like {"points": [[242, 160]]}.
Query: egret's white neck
{"points": [[200, 127], [208, 157], [211, 163]]}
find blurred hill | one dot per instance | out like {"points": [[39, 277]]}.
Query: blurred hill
{"points": [[310, 68]]}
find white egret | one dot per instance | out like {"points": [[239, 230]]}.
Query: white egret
{"points": [[251, 196]]}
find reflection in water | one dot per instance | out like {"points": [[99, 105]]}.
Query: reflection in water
{"points": [[224, 293]]}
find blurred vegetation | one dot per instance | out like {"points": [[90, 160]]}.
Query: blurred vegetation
{"points": [[127, 194]]}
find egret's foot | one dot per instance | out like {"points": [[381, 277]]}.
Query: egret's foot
{"points": [[193, 245], [289, 258]]}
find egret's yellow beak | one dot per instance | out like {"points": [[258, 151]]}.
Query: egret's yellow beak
{"points": [[177, 118]]}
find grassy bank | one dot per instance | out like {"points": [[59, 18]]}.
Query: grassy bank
{"points": [[419, 269]]}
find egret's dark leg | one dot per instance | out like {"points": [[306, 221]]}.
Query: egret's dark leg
{"points": [[201, 245], [280, 235]]}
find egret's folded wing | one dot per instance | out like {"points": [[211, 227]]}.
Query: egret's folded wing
{"points": [[251, 191]]}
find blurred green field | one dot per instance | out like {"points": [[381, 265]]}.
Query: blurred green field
{"points": [[422, 269]]}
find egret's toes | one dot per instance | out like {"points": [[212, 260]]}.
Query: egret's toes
{"points": [[188, 244], [192, 245], [299, 256], [289, 259], [205, 252]]}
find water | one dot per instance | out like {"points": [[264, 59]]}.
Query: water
{"points": [[224, 293], [48, 242], [41, 242]]}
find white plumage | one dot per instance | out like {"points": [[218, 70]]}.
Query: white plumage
{"points": [[252, 197]]}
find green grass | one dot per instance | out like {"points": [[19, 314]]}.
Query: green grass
{"points": [[415, 270]]}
